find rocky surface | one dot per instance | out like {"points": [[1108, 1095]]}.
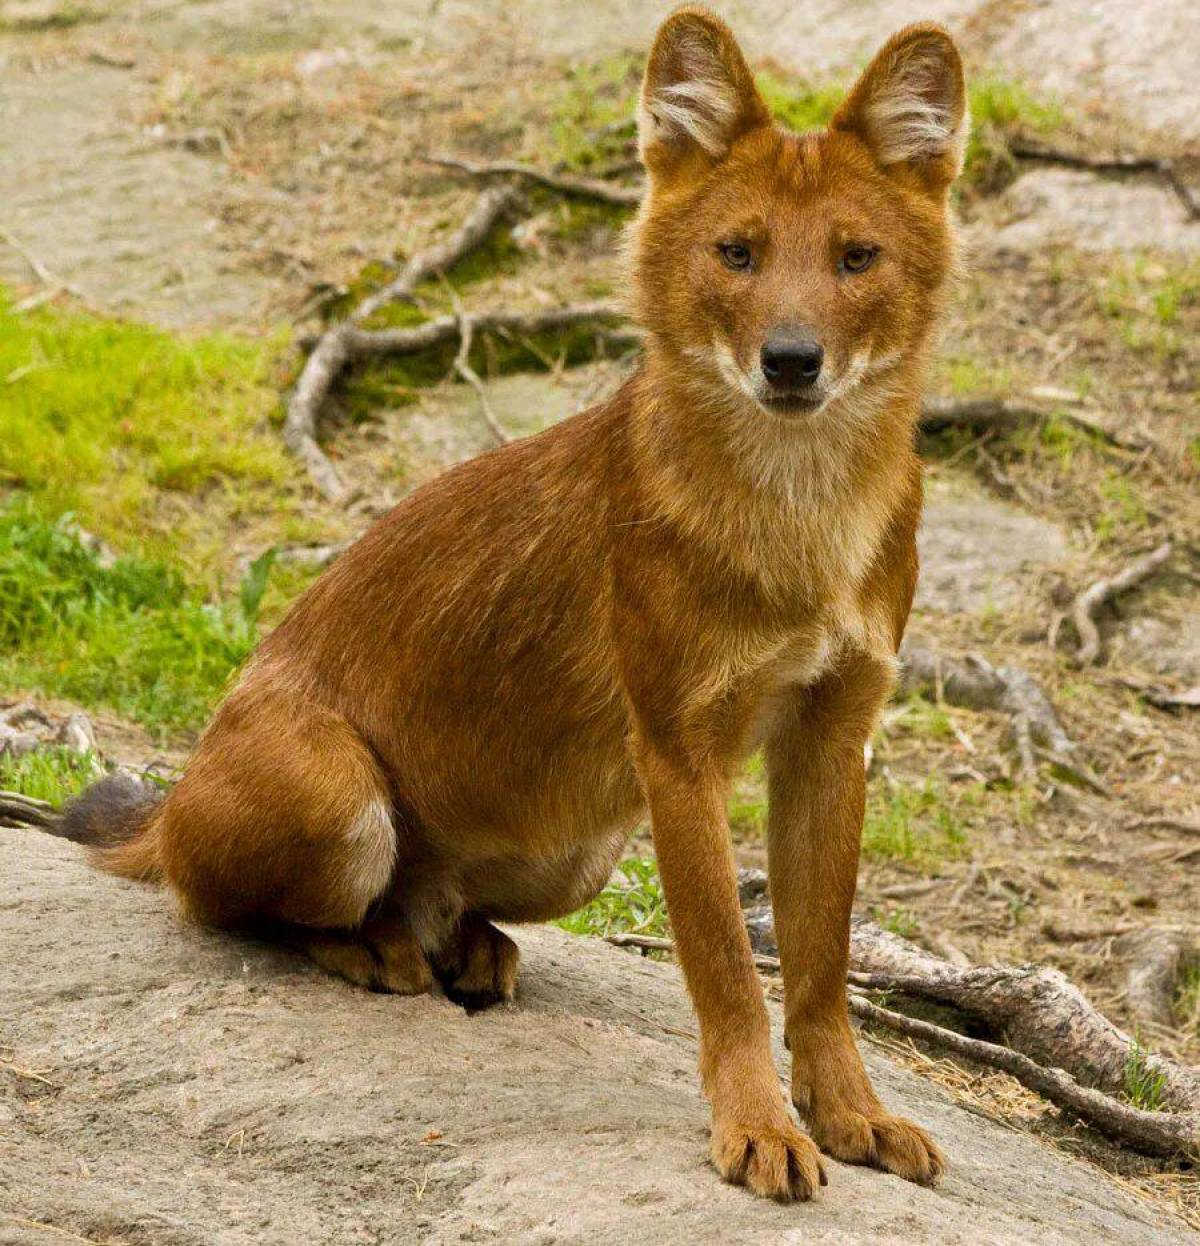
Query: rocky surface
{"points": [[163, 1085]]}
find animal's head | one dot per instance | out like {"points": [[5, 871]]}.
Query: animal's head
{"points": [[792, 270]]}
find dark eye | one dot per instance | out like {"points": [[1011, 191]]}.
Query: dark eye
{"points": [[735, 255], [857, 259]]}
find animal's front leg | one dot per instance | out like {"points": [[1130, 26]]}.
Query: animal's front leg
{"points": [[755, 1141], [817, 789]]}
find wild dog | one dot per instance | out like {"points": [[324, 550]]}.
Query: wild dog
{"points": [[462, 720]]}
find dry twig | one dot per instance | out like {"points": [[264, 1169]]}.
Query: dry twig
{"points": [[53, 283], [1088, 603], [462, 365], [565, 183]]}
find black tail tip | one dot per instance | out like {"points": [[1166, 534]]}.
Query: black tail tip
{"points": [[109, 812]]}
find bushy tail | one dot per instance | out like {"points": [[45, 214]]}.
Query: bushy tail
{"points": [[114, 821]]}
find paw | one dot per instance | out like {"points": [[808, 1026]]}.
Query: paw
{"points": [[773, 1160], [394, 965], [882, 1141], [480, 968]]}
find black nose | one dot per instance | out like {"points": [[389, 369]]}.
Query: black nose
{"points": [[790, 362]]}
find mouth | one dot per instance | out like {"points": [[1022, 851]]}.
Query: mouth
{"points": [[791, 406]]}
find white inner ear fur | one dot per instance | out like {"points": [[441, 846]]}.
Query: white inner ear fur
{"points": [[701, 105], [911, 114]]}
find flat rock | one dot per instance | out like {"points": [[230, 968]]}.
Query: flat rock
{"points": [[192, 1088], [1162, 646], [1069, 207], [976, 549]]}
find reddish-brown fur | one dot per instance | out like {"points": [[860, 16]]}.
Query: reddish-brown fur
{"points": [[464, 718]]}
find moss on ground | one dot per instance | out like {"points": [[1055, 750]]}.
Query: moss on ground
{"points": [[154, 441]]}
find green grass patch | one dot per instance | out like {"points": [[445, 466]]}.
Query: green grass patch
{"points": [[592, 113], [927, 719], [966, 376], [134, 636], [633, 903], [154, 441], [747, 805], [1187, 997], [1001, 109], [54, 774], [1144, 1085], [902, 922], [1148, 303], [915, 824], [800, 104]]}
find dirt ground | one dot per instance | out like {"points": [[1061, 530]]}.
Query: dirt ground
{"points": [[238, 162]]}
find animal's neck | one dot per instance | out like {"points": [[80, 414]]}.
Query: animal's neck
{"points": [[792, 503]]}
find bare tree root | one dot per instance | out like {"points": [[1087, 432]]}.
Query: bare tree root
{"points": [[1164, 1134], [1160, 165], [1037, 1009], [338, 346], [564, 183], [1156, 960], [24, 812], [1088, 603], [972, 682], [997, 414]]}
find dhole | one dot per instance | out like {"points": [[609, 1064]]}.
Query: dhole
{"points": [[462, 720]]}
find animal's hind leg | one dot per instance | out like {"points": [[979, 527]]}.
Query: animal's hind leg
{"points": [[382, 955], [284, 821], [477, 966]]}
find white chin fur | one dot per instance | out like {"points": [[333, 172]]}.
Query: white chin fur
{"points": [[754, 385]]}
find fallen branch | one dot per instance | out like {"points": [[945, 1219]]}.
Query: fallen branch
{"points": [[972, 682], [21, 812], [1160, 165], [1089, 602], [565, 183], [1164, 1134], [491, 205], [338, 346]]}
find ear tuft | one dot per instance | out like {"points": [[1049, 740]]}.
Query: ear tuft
{"points": [[909, 106], [698, 94]]}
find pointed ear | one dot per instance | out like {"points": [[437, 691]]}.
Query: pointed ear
{"points": [[698, 94], [910, 106]]}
